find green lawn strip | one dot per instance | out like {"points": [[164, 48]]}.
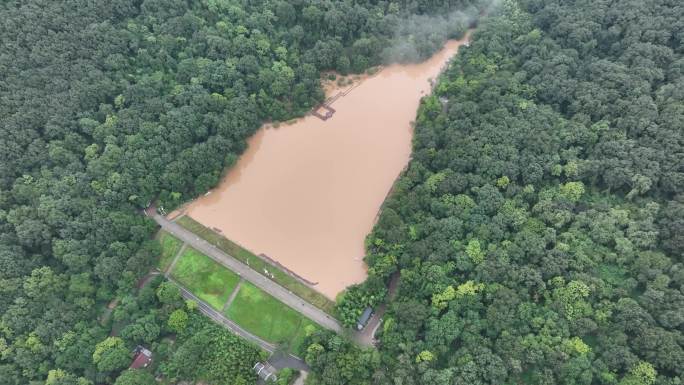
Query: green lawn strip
{"points": [[263, 315], [282, 278], [204, 277], [170, 246]]}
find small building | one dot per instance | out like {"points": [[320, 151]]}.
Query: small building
{"points": [[365, 317], [142, 358]]}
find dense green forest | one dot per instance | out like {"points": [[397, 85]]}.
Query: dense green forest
{"points": [[108, 105], [539, 229]]}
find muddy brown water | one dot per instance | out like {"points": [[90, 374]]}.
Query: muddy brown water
{"points": [[307, 194]]}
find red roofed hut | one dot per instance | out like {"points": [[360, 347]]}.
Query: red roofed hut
{"points": [[142, 359]]}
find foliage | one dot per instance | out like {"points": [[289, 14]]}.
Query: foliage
{"points": [[425, 356], [168, 293], [576, 345], [572, 191], [474, 251], [335, 360], [60, 377], [640, 374], [111, 354], [143, 330], [178, 320], [285, 376], [210, 353], [135, 377], [441, 300], [356, 298], [563, 271], [106, 106]]}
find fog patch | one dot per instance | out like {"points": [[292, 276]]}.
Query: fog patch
{"points": [[419, 36]]}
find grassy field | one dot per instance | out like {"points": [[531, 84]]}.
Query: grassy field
{"points": [[205, 277], [268, 318], [170, 246], [310, 295]]}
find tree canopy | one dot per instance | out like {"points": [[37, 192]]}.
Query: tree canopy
{"points": [[537, 229], [106, 106]]}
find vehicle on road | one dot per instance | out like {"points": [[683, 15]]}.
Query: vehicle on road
{"points": [[364, 318]]}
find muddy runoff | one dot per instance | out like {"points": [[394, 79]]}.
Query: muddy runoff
{"points": [[307, 194]]}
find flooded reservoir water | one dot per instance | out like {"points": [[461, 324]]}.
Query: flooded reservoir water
{"points": [[307, 194]]}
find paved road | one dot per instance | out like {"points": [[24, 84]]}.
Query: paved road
{"points": [[302, 377], [366, 337], [280, 360], [265, 284]]}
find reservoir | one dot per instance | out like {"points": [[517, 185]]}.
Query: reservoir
{"points": [[307, 194]]}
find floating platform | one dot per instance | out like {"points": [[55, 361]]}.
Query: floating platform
{"points": [[323, 112]]}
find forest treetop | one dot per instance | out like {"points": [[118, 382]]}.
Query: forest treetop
{"points": [[106, 106]]}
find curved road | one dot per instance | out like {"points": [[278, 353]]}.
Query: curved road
{"points": [[287, 297]]}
